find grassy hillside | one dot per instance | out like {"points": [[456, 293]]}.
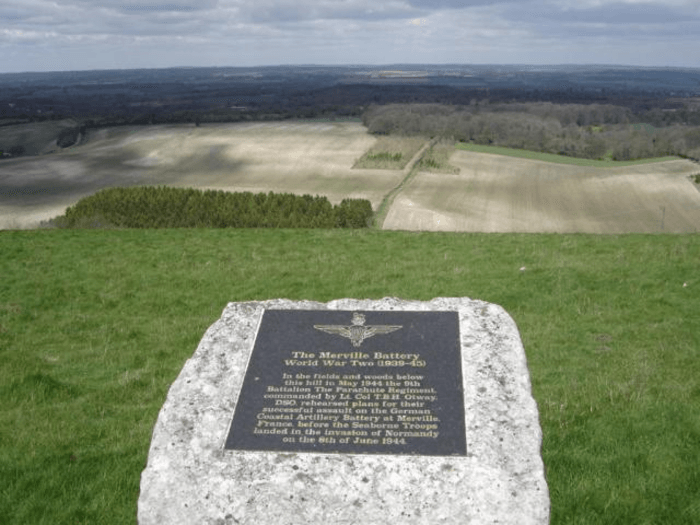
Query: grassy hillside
{"points": [[95, 326]]}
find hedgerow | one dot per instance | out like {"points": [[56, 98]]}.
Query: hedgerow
{"points": [[165, 207]]}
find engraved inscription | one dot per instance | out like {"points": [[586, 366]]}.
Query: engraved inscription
{"points": [[397, 394], [361, 409]]}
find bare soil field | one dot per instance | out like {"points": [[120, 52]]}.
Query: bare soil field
{"points": [[495, 193], [291, 157]]}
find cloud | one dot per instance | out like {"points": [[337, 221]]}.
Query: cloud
{"points": [[147, 6], [13, 14], [287, 11], [161, 33], [157, 7], [617, 13], [634, 26], [437, 5]]}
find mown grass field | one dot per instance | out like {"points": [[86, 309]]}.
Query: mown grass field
{"points": [[95, 326], [498, 193], [313, 158], [557, 159]]}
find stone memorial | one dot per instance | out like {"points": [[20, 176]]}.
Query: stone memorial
{"points": [[350, 412]]}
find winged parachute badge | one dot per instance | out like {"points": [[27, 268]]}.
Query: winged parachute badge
{"points": [[357, 332]]}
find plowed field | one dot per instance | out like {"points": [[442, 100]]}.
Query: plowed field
{"points": [[294, 157], [494, 193]]}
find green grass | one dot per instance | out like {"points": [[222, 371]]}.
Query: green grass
{"points": [[390, 152], [96, 324], [559, 159], [328, 119], [36, 137]]}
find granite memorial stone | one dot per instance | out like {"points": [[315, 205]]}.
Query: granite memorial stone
{"points": [[354, 411]]}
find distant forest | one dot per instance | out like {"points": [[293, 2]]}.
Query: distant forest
{"points": [[594, 131]]}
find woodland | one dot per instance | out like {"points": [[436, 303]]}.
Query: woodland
{"points": [[166, 207], [593, 131]]}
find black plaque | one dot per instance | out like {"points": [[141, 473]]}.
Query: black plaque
{"points": [[366, 382]]}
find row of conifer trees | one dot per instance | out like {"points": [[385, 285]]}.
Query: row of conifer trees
{"points": [[165, 207]]}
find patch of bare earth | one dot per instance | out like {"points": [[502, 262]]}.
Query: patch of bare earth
{"points": [[285, 157], [494, 193]]}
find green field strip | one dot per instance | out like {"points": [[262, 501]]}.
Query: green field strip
{"points": [[388, 200], [557, 159], [329, 120]]}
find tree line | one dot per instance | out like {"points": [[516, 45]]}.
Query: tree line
{"points": [[165, 207], [594, 131]]}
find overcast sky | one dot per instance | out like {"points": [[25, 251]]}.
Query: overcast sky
{"points": [[61, 35]]}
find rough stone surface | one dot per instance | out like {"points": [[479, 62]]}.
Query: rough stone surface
{"points": [[191, 479]]}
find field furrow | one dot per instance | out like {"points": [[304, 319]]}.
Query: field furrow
{"points": [[494, 193], [284, 157]]}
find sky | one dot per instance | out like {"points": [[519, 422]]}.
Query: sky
{"points": [[69, 35]]}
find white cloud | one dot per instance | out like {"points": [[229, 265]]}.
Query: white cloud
{"points": [[263, 11], [159, 33], [145, 6]]}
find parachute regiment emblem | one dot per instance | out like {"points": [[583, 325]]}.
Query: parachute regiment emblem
{"points": [[357, 332]]}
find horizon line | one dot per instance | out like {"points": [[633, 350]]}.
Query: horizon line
{"points": [[351, 65]]}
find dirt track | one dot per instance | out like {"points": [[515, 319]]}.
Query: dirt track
{"points": [[494, 193]]}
